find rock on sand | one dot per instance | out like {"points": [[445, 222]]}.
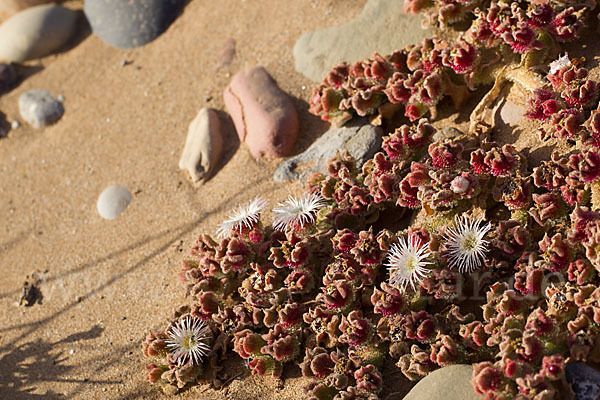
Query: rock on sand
{"points": [[264, 116], [39, 108], [203, 145], [129, 23], [361, 139], [36, 32], [448, 383], [381, 27], [113, 201]]}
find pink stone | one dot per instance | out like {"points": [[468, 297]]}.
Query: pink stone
{"points": [[264, 116]]}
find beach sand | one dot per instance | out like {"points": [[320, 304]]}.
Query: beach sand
{"points": [[105, 283], [127, 125]]}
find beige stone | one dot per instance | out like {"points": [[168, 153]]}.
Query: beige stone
{"points": [[36, 32], [448, 383], [203, 146], [381, 27]]}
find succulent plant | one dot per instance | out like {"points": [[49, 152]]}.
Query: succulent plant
{"points": [[338, 283]]}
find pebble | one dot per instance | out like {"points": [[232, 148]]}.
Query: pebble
{"points": [[129, 24], [584, 380], [317, 52], [8, 77], [264, 116], [15, 124], [113, 201], [39, 108], [361, 139], [448, 383], [203, 146], [60, 98], [511, 114], [36, 32]]}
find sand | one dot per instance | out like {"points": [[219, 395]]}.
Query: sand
{"points": [[127, 125], [104, 283]]}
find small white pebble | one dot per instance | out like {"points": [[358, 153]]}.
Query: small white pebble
{"points": [[71, 351], [303, 87], [107, 119], [15, 124], [113, 201], [60, 98]]}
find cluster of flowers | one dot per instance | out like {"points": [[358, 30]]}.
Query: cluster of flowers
{"points": [[418, 77], [452, 172], [320, 286], [568, 104]]}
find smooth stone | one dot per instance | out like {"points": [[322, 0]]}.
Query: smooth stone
{"points": [[361, 139], [584, 380], [264, 116], [131, 23], [448, 383], [511, 114], [36, 32], [203, 145], [381, 27], [8, 77], [113, 201], [39, 108]]}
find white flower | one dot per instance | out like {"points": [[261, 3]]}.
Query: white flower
{"points": [[562, 61], [189, 340], [465, 243], [407, 262], [295, 213], [242, 217]]}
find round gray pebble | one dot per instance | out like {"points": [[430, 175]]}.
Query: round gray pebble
{"points": [[113, 201], [39, 108], [129, 24]]}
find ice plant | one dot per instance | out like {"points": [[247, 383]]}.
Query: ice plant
{"points": [[188, 341], [465, 243], [296, 212], [407, 262], [313, 284], [242, 218]]}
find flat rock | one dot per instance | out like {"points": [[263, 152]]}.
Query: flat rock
{"points": [[113, 201], [36, 32], [584, 380], [203, 145], [39, 108], [361, 139], [381, 27], [511, 113], [448, 383], [131, 23], [264, 116]]}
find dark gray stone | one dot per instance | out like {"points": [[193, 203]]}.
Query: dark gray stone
{"points": [[584, 380], [448, 383], [130, 23], [39, 108], [381, 27], [361, 139]]}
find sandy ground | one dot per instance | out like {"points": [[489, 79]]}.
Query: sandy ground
{"points": [[104, 283], [127, 125]]}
